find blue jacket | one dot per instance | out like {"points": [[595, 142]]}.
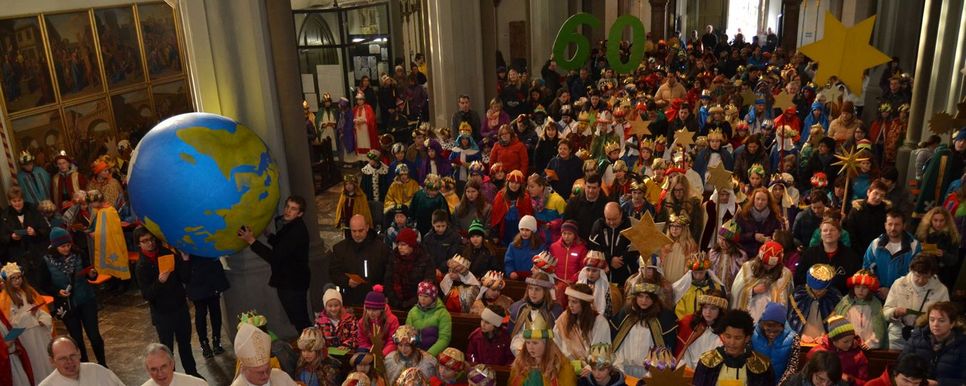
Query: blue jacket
{"points": [[887, 266], [519, 259], [946, 365], [778, 351], [81, 291]]}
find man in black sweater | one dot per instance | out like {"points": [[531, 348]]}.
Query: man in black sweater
{"points": [[288, 255], [866, 219], [166, 296], [362, 256], [587, 207]]}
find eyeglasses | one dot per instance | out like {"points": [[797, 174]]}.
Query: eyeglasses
{"points": [[68, 359]]}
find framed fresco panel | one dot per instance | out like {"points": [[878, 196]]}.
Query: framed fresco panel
{"points": [[24, 69], [120, 50], [41, 134], [74, 54], [89, 126], [160, 40], [171, 99], [133, 113]]}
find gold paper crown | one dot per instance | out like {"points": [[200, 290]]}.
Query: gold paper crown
{"points": [[611, 146], [311, 340], [458, 261], [583, 154], [719, 302], [465, 128], [537, 328], [583, 117], [253, 318], [647, 144], [10, 269], [716, 134], [823, 272], [639, 185], [494, 280], [757, 169], [405, 334], [620, 166], [641, 288], [681, 220], [600, 356], [661, 139]]}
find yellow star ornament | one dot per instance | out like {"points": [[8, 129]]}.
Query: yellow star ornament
{"points": [[645, 236], [845, 52], [639, 126], [719, 177], [849, 162]]}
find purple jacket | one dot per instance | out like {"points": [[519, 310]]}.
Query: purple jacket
{"points": [[481, 350], [749, 227]]}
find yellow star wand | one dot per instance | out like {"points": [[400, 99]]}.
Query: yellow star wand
{"points": [[848, 160]]}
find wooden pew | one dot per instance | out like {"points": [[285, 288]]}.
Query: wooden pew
{"points": [[878, 359], [515, 289]]}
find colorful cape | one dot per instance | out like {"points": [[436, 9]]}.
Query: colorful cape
{"points": [[110, 249]]}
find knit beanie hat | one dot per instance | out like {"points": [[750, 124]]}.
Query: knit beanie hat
{"points": [[569, 226], [408, 236], [375, 299], [528, 222], [476, 228], [427, 288], [774, 312], [452, 359], [331, 293], [770, 253], [838, 327], [59, 236]]}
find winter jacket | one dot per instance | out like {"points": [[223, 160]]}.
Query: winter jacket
{"points": [[865, 223], [401, 285], [778, 351], [489, 351], [748, 227], [364, 333], [887, 266], [545, 150], [569, 259], [288, 255], [585, 213], [868, 315], [348, 256], [207, 278], [844, 260], [338, 333], [805, 224], [947, 363], [513, 156], [442, 247], [434, 325], [164, 298], [81, 291], [905, 293], [853, 361], [520, 259], [482, 259], [568, 171], [704, 157], [28, 251], [610, 241]]}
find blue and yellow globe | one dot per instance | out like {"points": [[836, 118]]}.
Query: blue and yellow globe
{"points": [[195, 178]]}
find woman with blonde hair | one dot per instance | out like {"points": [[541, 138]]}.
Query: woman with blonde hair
{"points": [[937, 227], [24, 308], [541, 363], [674, 255]]}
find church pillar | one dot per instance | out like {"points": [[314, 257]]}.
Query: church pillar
{"points": [[254, 80], [920, 88], [546, 17], [789, 27], [455, 56], [658, 19]]}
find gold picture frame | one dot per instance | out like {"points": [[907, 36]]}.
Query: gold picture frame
{"points": [[120, 47], [25, 76], [70, 37]]}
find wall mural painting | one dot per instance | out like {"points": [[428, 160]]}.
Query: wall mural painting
{"points": [[40, 134], [160, 40], [133, 114], [120, 50], [74, 54], [89, 127], [24, 70], [172, 98]]}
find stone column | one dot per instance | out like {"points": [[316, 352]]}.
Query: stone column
{"points": [[546, 17], [920, 88], [455, 55], [789, 31], [254, 80], [658, 19]]}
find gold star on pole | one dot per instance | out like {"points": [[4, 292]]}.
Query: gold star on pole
{"points": [[943, 122], [639, 126], [748, 97], [849, 162], [719, 177], [845, 52], [783, 101], [645, 236], [684, 138]]}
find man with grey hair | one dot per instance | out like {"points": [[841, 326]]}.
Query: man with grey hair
{"points": [[65, 356], [159, 363]]}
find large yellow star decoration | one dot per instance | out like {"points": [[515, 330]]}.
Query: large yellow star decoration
{"points": [[639, 126], [943, 122], [645, 236], [849, 162], [719, 177], [845, 52], [684, 138], [783, 101]]}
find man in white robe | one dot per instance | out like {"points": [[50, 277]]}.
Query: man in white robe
{"points": [[65, 357], [159, 363], [253, 349]]}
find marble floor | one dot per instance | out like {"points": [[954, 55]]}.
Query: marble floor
{"points": [[125, 321]]}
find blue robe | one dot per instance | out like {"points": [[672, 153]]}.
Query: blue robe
{"points": [[35, 185], [801, 303]]}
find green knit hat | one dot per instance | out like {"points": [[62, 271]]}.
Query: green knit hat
{"points": [[838, 327], [476, 227]]}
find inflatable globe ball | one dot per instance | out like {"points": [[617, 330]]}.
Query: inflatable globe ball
{"points": [[196, 178]]}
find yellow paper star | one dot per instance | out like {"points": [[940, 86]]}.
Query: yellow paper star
{"points": [[848, 161], [831, 94], [645, 236], [845, 52], [719, 177], [684, 138], [783, 101], [640, 127], [748, 97]]}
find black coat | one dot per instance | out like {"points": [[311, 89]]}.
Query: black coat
{"points": [[404, 297], [288, 254], [865, 223], [845, 261], [605, 239], [28, 252], [585, 212], [207, 278], [163, 298], [348, 256], [946, 364]]}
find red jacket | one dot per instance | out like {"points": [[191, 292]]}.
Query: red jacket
{"points": [[513, 156], [884, 380], [854, 362], [570, 260], [364, 333]]}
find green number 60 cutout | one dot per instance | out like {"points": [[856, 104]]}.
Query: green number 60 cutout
{"points": [[569, 34]]}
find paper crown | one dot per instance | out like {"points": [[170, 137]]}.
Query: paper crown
{"points": [[405, 334], [481, 375], [452, 359], [516, 176], [495, 168], [660, 358], [412, 376], [432, 182], [537, 328], [620, 166], [819, 180], [458, 263], [595, 259], [311, 339], [350, 178], [865, 278], [10, 269], [699, 262], [715, 134], [681, 220], [770, 253], [494, 280], [639, 186], [373, 154], [611, 147], [25, 157], [402, 168], [819, 276], [716, 301], [647, 144], [649, 288], [730, 230], [600, 356], [253, 318], [357, 379], [757, 169], [476, 168], [545, 262]]}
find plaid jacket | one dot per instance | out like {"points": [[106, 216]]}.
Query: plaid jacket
{"points": [[338, 333]]}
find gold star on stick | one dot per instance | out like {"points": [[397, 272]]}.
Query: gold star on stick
{"points": [[849, 161], [748, 97], [719, 177], [684, 138], [783, 101], [645, 236], [845, 52], [943, 122], [639, 126]]}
